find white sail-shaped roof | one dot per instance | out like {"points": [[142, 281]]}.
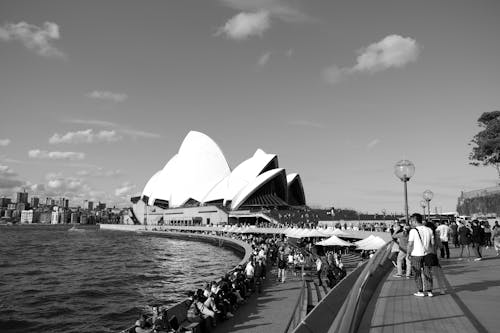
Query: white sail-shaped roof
{"points": [[242, 175], [296, 194], [148, 189], [257, 183], [197, 167]]}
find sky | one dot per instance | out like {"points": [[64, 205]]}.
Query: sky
{"points": [[96, 96]]}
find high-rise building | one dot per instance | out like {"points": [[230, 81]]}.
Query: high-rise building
{"points": [[101, 206], [4, 202], [22, 197], [90, 205], [35, 202]]}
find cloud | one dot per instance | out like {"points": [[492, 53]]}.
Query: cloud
{"points": [[100, 172], [85, 136], [125, 189], [6, 171], [289, 53], [8, 183], [264, 59], [37, 39], [276, 8], [108, 96], [306, 123], [393, 51], [55, 155], [244, 25], [4, 142], [121, 129], [373, 143]]}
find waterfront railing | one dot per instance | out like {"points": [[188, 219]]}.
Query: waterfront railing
{"points": [[342, 309], [298, 310]]}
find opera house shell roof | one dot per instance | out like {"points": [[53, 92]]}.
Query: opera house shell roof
{"points": [[200, 175]]}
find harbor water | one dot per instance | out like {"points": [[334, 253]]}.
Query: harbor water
{"points": [[57, 280]]}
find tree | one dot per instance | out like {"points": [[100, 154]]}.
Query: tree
{"points": [[486, 143]]}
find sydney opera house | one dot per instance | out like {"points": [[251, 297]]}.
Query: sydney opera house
{"points": [[197, 187]]}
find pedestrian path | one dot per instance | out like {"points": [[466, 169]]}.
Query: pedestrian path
{"points": [[269, 311], [470, 305]]}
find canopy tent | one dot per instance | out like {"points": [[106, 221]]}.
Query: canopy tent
{"points": [[314, 233], [334, 241], [370, 243]]}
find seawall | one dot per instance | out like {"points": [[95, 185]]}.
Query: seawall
{"points": [[240, 247]]}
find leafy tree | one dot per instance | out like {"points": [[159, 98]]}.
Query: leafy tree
{"points": [[486, 143]]}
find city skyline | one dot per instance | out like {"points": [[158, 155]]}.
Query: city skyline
{"points": [[96, 97]]}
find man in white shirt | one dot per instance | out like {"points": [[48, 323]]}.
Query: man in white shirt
{"points": [[443, 230], [420, 243]]}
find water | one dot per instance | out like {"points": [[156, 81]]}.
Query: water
{"points": [[55, 280]]}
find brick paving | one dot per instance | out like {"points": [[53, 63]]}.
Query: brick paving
{"points": [[471, 304], [269, 311]]}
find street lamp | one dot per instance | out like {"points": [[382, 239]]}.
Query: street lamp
{"points": [[423, 204], [404, 170], [428, 195]]}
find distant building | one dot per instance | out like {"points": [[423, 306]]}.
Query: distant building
{"points": [[63, 203], [11, 206], [90, 205], [22, 197], [50, 202], [29, 216], [45, 217], [101, 206], [35, 202], [55, 217], [20, 206], [75, 217], [4, 202]]}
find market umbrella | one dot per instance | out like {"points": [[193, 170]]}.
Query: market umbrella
{"points": [[334, 241]]}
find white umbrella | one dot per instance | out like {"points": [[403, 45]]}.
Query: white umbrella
{"points": [[334, 241], [340, 233], [315, 233]]}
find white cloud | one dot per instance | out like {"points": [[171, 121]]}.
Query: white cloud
{"points": [[125, 189], [85, 136], [373, 143], [108, 96], [9, 183], [121, 129], [100, 172], [393, 51], [4, 142], [38, 39], [6, 171], [289, 53], [55, 155], [277, 8], [264, 59], [244, 25]]}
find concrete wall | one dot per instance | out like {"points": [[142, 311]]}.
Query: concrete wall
{"points": [[235, 245]]}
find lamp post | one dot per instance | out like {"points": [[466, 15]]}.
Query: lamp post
{"points": [[404, 170], [428, 195], [423, 204]]}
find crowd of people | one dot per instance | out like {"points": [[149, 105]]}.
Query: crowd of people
{"points": [[418, 246]]}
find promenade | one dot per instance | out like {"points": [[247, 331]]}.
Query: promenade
{"points": [[268, 311], [470, 304]]}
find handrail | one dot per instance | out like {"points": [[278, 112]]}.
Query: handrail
{"points": [[295, 318], [353, 309]]}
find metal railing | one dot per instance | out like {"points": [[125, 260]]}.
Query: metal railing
{"points": [[349, 317], [298, 309]]}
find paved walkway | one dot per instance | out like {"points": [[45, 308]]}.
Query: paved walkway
{"points": [[268, 312], [471, 305]]}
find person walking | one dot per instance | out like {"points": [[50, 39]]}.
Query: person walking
{"points": [[282, 258], [443, 233], [477, 238], [433, 263], [319, 268], [420, 241], [464, 239], [401, 239], [495, 235]]}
